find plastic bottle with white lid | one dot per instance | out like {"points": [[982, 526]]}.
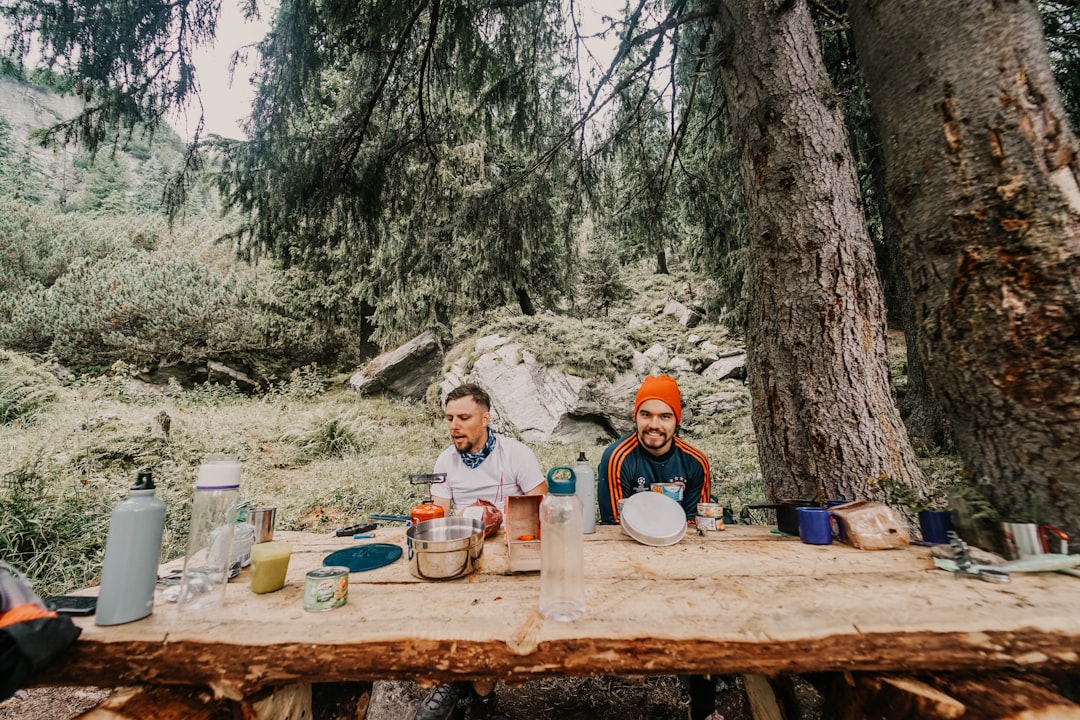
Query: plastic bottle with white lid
{"points": [[208, 561], [132, 555], [562, 549], [586, 491]]}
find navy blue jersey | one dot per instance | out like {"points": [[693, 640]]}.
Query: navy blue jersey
{"points": [[627, 468]]}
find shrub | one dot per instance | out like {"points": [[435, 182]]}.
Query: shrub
{"points": [[144, 309], [53, 531], [326, 436], [24, 390]]}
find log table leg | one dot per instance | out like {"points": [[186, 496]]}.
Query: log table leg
{"points": [[299, 701], [162, 703], [944, 696]]}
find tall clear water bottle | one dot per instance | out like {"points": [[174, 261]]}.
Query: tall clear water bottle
{"points": [[208, 562], [562, 549], [586, 491], [132, 555]]}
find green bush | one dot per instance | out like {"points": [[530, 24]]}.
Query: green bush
{"points": [[24, 390], [328, 436], [143, 309], [53, 531]]}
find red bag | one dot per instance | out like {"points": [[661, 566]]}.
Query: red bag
{"points": [[487, 513]]}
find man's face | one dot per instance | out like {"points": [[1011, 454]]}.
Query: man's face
{"points": [[655, 426], [467, 421]]}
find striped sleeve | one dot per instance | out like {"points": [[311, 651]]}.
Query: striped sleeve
{"points": [[699, 457], [614, 471]]}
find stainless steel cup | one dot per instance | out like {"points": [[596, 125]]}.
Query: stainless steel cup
{"points": [[263, 519], [1027, 539]]}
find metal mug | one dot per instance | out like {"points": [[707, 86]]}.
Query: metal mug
{"points": [[263, 519], [1026, 539]]}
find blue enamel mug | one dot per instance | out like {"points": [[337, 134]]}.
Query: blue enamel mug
{"points": [[815, 527]]}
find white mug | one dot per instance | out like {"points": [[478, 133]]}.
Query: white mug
{"points": [[1026, 539]]}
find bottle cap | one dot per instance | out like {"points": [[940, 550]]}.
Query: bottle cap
{"points": [[581, 457], [218, 472], [144, 480], [561, 481]]}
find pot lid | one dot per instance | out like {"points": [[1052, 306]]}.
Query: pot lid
{"points": [[364, 557], [653, 518]]}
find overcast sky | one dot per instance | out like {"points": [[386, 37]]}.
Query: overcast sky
{"points": [[227, 104]]}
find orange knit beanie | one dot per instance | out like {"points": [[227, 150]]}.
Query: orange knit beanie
{"points": [[662, 388]]}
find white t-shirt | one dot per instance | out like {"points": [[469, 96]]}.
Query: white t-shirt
{"points": [[510, 469]]}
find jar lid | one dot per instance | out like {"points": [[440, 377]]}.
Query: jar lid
{"points": [[219, 472]]}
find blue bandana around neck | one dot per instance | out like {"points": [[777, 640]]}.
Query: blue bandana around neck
{"points": [[473, 460]]}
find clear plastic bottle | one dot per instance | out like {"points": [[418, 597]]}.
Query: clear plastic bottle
{"points": [[208, 562], [132, 555], [562, 549], [586, 491]]}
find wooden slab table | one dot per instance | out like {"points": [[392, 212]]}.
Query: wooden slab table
{"points": [[742, 600]]}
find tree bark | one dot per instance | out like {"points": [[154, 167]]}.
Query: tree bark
{"points": [[824, 410], [524, 301], [982, 171]]}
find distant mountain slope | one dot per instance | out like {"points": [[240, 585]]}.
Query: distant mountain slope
{"points": [[28, 107], [68, 177]]}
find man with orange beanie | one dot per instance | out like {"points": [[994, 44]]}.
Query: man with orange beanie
{"points": [[653, 453]]}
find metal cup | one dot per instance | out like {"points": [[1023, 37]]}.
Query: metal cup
{"points": [[1027, 539], [263, 519]]}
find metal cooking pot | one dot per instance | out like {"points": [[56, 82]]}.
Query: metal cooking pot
{"points": [[444, 548], [787, 514]]}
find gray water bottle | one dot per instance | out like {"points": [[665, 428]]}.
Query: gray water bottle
{"points": [[132, 555], [585, 485]]}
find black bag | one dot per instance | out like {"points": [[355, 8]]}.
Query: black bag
{"points": [[31, 644]]}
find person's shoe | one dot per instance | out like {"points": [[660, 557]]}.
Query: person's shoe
{"points": [[440, 702], [482, 707]]}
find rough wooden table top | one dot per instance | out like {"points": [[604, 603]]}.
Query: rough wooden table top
{"points": [[741, 600]]}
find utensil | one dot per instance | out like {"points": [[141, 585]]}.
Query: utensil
{"points": [[354, 529], [444, 548]]}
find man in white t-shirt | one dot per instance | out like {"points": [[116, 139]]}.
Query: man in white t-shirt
{"points": [[479, 465]]}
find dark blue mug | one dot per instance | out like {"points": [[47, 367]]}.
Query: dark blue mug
{"points": [[935, 526], [814, 525]]}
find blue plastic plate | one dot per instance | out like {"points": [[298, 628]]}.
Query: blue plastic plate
{"points": [[364, 557]]}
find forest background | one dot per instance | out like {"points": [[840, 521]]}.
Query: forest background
{"points": [[445, 166]]}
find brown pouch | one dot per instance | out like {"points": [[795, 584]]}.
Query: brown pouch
{"points": [[870, 525]]}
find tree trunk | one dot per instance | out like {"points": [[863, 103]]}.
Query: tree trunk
{"points": [[982, 171], [661, 262], [923, 417], [525, 302], [824, 410]]}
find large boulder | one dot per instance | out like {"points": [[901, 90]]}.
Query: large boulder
{"points": [[542, 404], [686, 316], [731, 364], [406, 371]]}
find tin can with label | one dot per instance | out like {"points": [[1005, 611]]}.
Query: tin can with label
{"points": [[672, 490], [326, 588], [710, 516]]}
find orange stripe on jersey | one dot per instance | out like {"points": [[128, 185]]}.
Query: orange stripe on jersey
{"points": [[706, 488], [614, 478]]}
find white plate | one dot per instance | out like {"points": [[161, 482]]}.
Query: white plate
{"points": [[653, 518]]}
